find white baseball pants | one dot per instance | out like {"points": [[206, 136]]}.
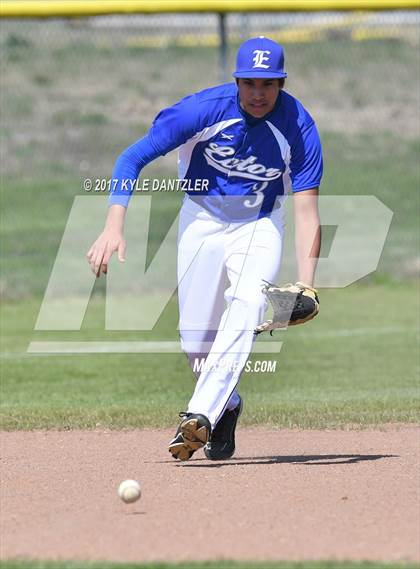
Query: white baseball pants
{"points": [[221, 267]]}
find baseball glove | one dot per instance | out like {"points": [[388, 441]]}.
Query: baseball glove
{"points": [[292, 304]]}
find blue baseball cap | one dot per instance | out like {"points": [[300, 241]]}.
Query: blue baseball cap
{"points": [[260, 57]]}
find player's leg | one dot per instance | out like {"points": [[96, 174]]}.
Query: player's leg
{"points": [[254, 253], [245, 257], [202, 280]]}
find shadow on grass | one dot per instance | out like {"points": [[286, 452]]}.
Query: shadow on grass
{"points": [[310, 460]]}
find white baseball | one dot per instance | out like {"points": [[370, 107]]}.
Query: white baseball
{"points": [[129, 491]]}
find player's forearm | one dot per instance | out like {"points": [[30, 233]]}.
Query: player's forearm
{"points": [[308, 244], [115, 219], [127, 169], [307, 237]]}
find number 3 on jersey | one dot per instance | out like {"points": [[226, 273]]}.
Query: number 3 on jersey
{"points": [[258, 196]]}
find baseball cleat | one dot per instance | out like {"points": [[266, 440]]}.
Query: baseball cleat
{"points": [[222, 440], [192, 434]]}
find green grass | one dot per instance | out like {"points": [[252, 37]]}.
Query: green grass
{"points": [[354, 365], [208, 565], [72, 98]]}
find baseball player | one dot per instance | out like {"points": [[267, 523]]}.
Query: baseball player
{"points": [[252, 143]]}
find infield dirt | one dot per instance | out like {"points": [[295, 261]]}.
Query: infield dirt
{"points": [[287, 494]]}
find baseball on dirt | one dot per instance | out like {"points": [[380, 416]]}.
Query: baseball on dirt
{"points": [[129, 491]]}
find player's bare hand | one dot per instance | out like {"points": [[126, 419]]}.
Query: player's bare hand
{"points": [[102, 250]]}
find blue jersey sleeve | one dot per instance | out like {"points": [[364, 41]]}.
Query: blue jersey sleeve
{"points": [[175, 125], [127, 169], [306, 165]]}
